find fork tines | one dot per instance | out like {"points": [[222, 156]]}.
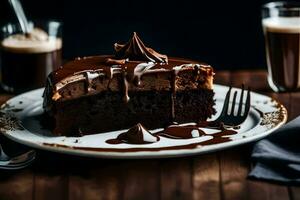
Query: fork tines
{"points": [[227, 116], [240, 104]]}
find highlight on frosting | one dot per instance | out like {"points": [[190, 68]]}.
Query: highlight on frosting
{"points": [[135, 50]]}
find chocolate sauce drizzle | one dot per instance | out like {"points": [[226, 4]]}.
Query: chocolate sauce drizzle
{"points": [[193, 131], [140, 135]]}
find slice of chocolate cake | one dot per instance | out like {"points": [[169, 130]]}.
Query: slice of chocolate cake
{"points": [[136, 85]]}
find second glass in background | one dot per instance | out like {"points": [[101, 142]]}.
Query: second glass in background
{"points": [[281, 24]]}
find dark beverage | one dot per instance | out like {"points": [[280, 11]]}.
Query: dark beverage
{"points": [[27, 60], [27, 71], [282, 36]]}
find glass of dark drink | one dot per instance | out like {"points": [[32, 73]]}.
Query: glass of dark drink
{"points": [[27, 59], [281, 25]]}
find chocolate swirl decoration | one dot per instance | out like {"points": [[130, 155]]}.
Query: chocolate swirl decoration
{"points": [[135, 50]]}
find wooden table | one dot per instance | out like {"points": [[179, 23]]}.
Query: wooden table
{"points": [[221, 175]]}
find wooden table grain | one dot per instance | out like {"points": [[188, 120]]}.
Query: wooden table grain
{"points": [[220, 175]]}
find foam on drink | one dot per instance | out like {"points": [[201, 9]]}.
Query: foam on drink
{"points": [[282, 24], [37, 41]]}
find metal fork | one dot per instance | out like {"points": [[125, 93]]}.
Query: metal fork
{"points": [[227, 116], [17, 162]]}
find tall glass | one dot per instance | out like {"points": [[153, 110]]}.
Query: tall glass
{"points": [[281, 25], [27, 59]]}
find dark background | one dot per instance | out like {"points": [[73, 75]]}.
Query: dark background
{"points": [[226, 34]]}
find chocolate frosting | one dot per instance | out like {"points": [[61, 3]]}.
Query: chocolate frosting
{"points": [[135, 50]]}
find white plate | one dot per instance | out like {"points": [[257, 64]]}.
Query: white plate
{"points": [[19, 121]]}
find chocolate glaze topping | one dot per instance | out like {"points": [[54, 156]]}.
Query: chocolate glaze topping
{"points": [[91, 68]]}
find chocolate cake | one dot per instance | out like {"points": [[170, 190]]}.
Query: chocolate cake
{"points": [[136, 85]]}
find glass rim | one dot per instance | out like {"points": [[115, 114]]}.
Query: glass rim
{"points": [[34, 21], [52, 27], [282, 5]]}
